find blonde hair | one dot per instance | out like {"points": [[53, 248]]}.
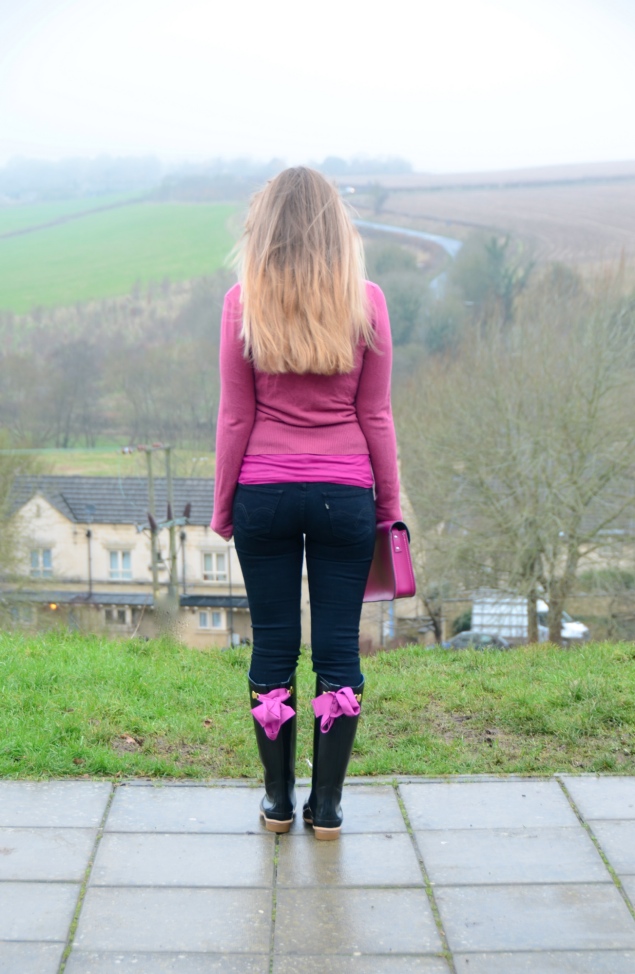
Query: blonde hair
{"points": [[301, 264]]}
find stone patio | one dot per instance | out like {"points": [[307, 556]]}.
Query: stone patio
{"points": [[473, 875]]}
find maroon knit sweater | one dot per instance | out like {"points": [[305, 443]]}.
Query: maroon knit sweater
{"points": [[345, 414]]}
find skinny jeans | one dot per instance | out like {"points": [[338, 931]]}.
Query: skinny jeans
{"points": [[274, 524]]}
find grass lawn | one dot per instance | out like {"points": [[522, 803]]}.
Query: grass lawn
{"points": [[105, 254], [23, 215], [111, 462], [72, 704]]}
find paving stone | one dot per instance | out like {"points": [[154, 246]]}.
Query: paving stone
{"points": [[37, 911], [137, 859], [45, 854], [604, 797], [336, 921], [180, 920], [31, 958], [90, 962], [359, 964], [174, 809], [53, 804], [559, 917], [487, 805], [617, 840], [543, 855], [366, 808], [375, 859], [628, 882], [541, 962]]}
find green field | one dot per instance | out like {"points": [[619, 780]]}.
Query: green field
{"points": [[111, 462], [24, 215], [105, 254]]}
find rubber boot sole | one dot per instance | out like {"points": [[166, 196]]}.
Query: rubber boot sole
{"points": [[327, 835], [320, 832], [273, 825]]}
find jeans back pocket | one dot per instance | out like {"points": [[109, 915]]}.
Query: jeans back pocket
{"points": [[351, 513], [255, 506]]}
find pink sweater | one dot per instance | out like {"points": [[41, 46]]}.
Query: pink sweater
{"points": [[346, 414]]}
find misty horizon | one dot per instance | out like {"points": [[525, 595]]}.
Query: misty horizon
{"points": [[467, 86], [356, 165]]}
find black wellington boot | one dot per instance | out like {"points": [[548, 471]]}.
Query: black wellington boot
{"points": [[307, 814], [332, 752], [278, 760]]}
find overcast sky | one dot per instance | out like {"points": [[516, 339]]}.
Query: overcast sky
{"points": [[452, 85]]}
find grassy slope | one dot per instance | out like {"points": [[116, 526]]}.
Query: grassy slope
{"points": [[111, 462], [104, 254], [75, 704], [23, 215]]}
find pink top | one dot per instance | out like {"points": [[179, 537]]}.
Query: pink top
{"points": [[329, 415], [304, 468]]}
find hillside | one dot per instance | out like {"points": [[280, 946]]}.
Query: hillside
{"points": [[574, 214], [103, 253]]}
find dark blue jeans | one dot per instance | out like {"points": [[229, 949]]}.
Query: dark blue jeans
{"points": [[272, 525]]}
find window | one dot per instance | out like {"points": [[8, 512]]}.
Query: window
{"points": [[23, 614], [208, 619], [41, 563], [120, 565], [116, 616], [214, 566]]}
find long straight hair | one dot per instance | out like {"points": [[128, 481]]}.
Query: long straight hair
{"points": [[301, 265]]}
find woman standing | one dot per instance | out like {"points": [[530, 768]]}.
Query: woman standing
{"points": [[305, 432]]}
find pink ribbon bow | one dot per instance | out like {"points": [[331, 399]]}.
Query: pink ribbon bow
{"points": [[272, 711], [335, 703]]}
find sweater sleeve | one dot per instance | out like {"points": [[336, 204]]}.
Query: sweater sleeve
{"points": [[374, 411], [236, 413]]}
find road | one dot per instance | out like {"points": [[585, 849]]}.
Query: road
{"points": [[449, 244]]}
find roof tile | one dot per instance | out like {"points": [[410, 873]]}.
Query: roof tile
{"points": [[115, 500]]}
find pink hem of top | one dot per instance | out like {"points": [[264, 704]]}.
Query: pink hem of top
{"points": [[294, 468]]}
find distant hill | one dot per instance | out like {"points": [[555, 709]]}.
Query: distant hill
{"points": [[579, 214], [539, 175]]}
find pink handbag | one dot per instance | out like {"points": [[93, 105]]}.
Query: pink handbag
{"points": [[391, 575]]}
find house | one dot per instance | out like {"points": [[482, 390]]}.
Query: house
{"points": [[84, 559]]}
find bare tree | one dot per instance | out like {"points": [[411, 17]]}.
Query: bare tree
{"points": [[610, 591], [13, 463], [73, 392], [490, 274], [518, 455]]}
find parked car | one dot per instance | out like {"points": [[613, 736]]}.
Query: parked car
{"points": [[507, 617], [476, 640]]}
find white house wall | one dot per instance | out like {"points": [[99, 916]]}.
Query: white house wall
{"points": [[41, 525]]}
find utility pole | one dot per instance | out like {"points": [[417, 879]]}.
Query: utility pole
{"points": [[183, 539], [381, 625], [231, 598], [90, 511], [171, 523], [173, 583], [153, 528], [89, 535]]}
